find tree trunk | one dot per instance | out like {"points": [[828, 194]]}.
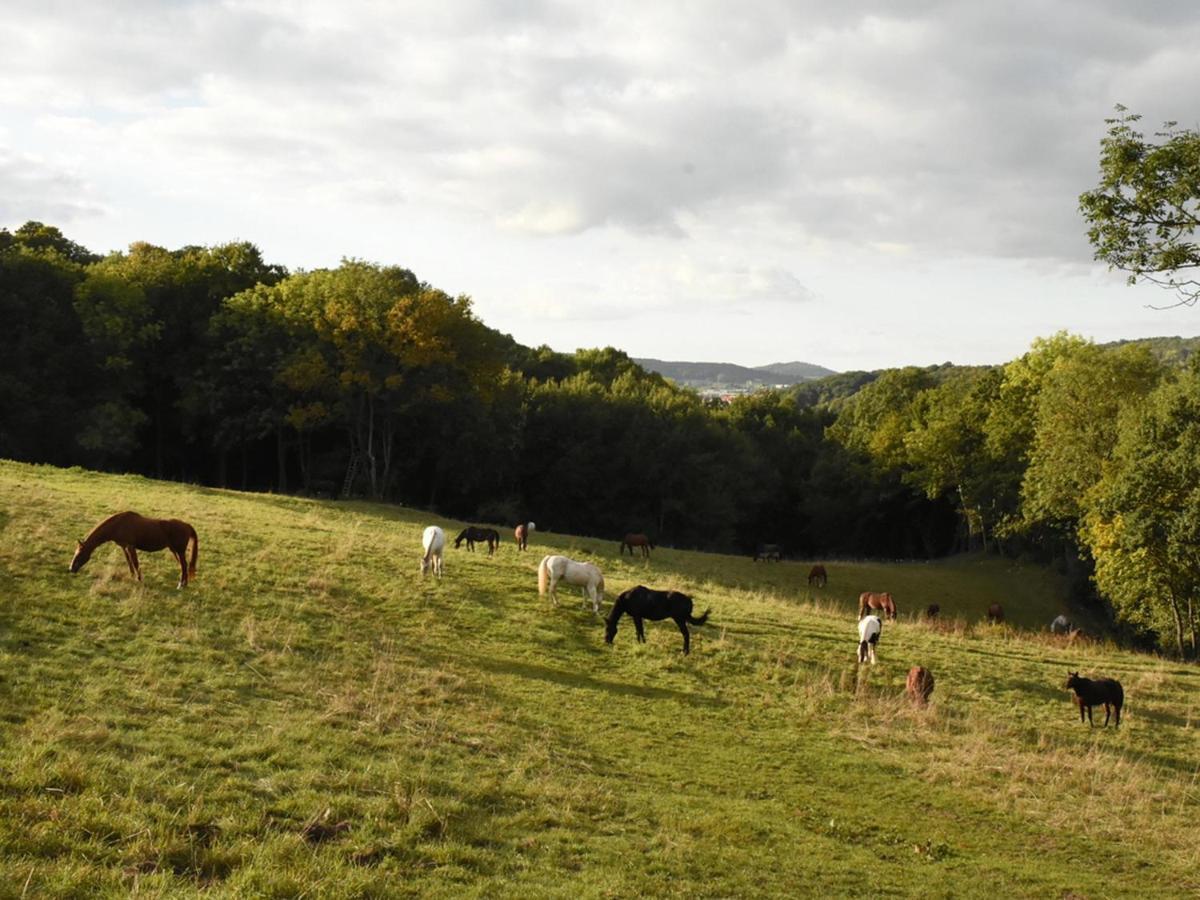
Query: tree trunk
{"points": [[281, 458], [1178, 625]]}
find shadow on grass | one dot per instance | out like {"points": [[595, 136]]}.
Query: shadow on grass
{"points": [[581, 680]]}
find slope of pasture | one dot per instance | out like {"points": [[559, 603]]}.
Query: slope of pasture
{"points": [[310, 717]]}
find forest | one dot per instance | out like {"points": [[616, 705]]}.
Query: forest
{"points": [[210, 365]]}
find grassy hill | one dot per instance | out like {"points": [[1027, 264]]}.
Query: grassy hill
{"points": [[310, 717]]}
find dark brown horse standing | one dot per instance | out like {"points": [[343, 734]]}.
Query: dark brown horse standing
{"points": [[133, 532], [817, 576], [995, 614], [643, 603], [869, 600], [637, 540], [473, 534], [1089, 693]]}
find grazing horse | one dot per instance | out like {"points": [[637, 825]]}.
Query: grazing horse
{"points": [[869, 600], [553, 569], [133, 532], [471, 534], [1061, 625], [869, 629], [1089, 693], [767, 552], [920, 685], [521, 533], [995, 614], [433, 540], [932, 611], [637, 540], [643, 603], [817, 576]]}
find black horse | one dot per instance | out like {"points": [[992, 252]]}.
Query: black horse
{"points": [[1089, 693], [643, 603], [471, 534]]}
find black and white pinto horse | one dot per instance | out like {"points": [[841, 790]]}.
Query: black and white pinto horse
{"points": [[553, 569], [869, 629], [433, 541], [643, 603]]}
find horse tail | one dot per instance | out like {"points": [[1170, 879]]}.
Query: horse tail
{"points": [[701, 620], [195, 552], [543, 576]]}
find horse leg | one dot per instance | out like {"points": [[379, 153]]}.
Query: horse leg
{"points": [[1106, 713], [129, 561], [641, 632], [182, 557], [687, 642], [134, 565]]}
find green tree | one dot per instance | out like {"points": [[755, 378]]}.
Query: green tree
{"points": [[1143, 524], [1143, 215]]}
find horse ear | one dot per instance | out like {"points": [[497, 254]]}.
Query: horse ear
{"points": [[79, 545]]}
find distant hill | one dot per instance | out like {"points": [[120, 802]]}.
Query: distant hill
{"points": [[717, 375]]}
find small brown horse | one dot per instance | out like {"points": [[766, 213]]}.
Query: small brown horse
{"points": [[521, 533], [995, 614], [869, 600], [637, 540], [817, 576], [1089, 693], [133, 532], [920, 685]]}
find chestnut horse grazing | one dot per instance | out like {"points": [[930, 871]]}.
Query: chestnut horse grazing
{"points": [[637, 540], [643, 603], [869, 600], [133, 532], [521, 533], [1089, 693], [920, 685], [995, 613], [817, 576]]}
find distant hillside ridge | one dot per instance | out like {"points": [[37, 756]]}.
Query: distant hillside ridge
{"points": [[717, 374]]}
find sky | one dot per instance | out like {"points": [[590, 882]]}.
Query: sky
{"points": [[854, 184]]}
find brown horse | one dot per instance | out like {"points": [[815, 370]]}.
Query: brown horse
{"points": [[637, 540], [1089, 693], [133, 532], [817, 576], [920, 685], [521, 533], [869, 600], [995, 614]]}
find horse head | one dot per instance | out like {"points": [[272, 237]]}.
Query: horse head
{"points": [[1072, 680], [82, 555]]}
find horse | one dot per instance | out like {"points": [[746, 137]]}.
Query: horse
{"points": [[521, 533], [553, 569], [995, 614], [643, 603], [1088, 693], [133, 532], [767, 552], [637, 540], [932, 611], [1061, 625], [433, 541], [869, 600], [920, 685], [817, 576], [869, 629], [471, 534]]}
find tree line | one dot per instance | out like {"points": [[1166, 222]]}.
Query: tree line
{"points": [[211, 365]]}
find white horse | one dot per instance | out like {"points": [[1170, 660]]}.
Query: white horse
{"points": [[553, 569], [434, 542], [869, 628]]}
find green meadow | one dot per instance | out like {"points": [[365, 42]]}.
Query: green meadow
{"points": [[312, 718]]}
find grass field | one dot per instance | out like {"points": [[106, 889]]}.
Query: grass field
{"points": [[311, 718]]}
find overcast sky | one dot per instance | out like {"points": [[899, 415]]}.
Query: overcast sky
{"points": [[854, 184]]}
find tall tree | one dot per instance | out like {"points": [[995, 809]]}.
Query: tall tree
{"points": [[1143, 215]]}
